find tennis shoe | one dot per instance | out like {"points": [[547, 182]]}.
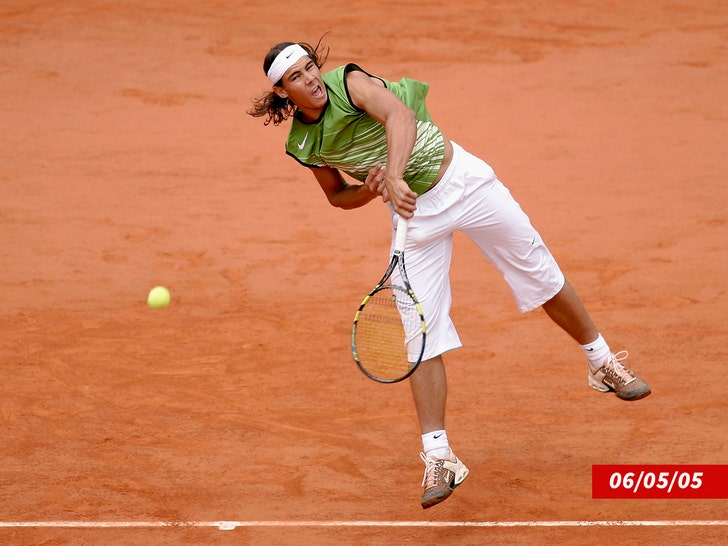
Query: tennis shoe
{"points": [[441, 477], [613, 375]]}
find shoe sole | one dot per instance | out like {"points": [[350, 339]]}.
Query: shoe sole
{"points": [[639, 395]]}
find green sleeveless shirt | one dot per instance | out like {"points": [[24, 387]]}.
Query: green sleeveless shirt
{"points": [[347, 138]]}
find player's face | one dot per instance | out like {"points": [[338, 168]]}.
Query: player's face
{"points": [[302, 83]]}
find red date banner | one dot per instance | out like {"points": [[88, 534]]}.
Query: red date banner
{"points": [[660, 481]]}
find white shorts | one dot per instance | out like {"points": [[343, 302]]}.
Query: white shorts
{"points": [[470, 198]]}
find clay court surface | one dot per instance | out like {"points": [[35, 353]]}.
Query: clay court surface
{"points": [[127, 161]]}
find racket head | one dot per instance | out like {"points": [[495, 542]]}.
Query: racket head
{"points": [[388, 335]]}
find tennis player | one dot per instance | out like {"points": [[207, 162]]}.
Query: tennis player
{"points": [[380, 134]]}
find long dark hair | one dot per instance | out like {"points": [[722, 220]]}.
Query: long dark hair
{"points": [[270, 104]]}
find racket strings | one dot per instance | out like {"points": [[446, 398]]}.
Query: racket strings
{"points": [[388, 324]]}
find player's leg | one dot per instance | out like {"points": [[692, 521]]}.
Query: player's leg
{"points": [[443, 470], [606, 370], [504, 234], [429, 392], [568, 312], [427, 260]]}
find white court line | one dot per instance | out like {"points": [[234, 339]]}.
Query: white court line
{"points": [[231, 525]]}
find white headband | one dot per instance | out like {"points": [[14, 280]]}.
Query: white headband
{"points": [[285, 60]]}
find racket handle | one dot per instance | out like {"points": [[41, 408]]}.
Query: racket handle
{"points": [[399, 242]]}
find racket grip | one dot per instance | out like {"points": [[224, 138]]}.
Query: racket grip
{"points": [[401, 237]]}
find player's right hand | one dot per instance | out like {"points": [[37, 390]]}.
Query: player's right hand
{"points": [[375, 181]]}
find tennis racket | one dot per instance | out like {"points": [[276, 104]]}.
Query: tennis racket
{"points": [[388, 335]]}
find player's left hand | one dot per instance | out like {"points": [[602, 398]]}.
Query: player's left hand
{"points": [[401, 195]]}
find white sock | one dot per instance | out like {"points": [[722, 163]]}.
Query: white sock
{"points": [[435, 444], [596, 352]]}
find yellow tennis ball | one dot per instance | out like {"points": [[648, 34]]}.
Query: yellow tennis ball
{"points": [[158, 297]]}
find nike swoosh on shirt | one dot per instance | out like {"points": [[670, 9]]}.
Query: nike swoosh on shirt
{"points": [[300, 146]]}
